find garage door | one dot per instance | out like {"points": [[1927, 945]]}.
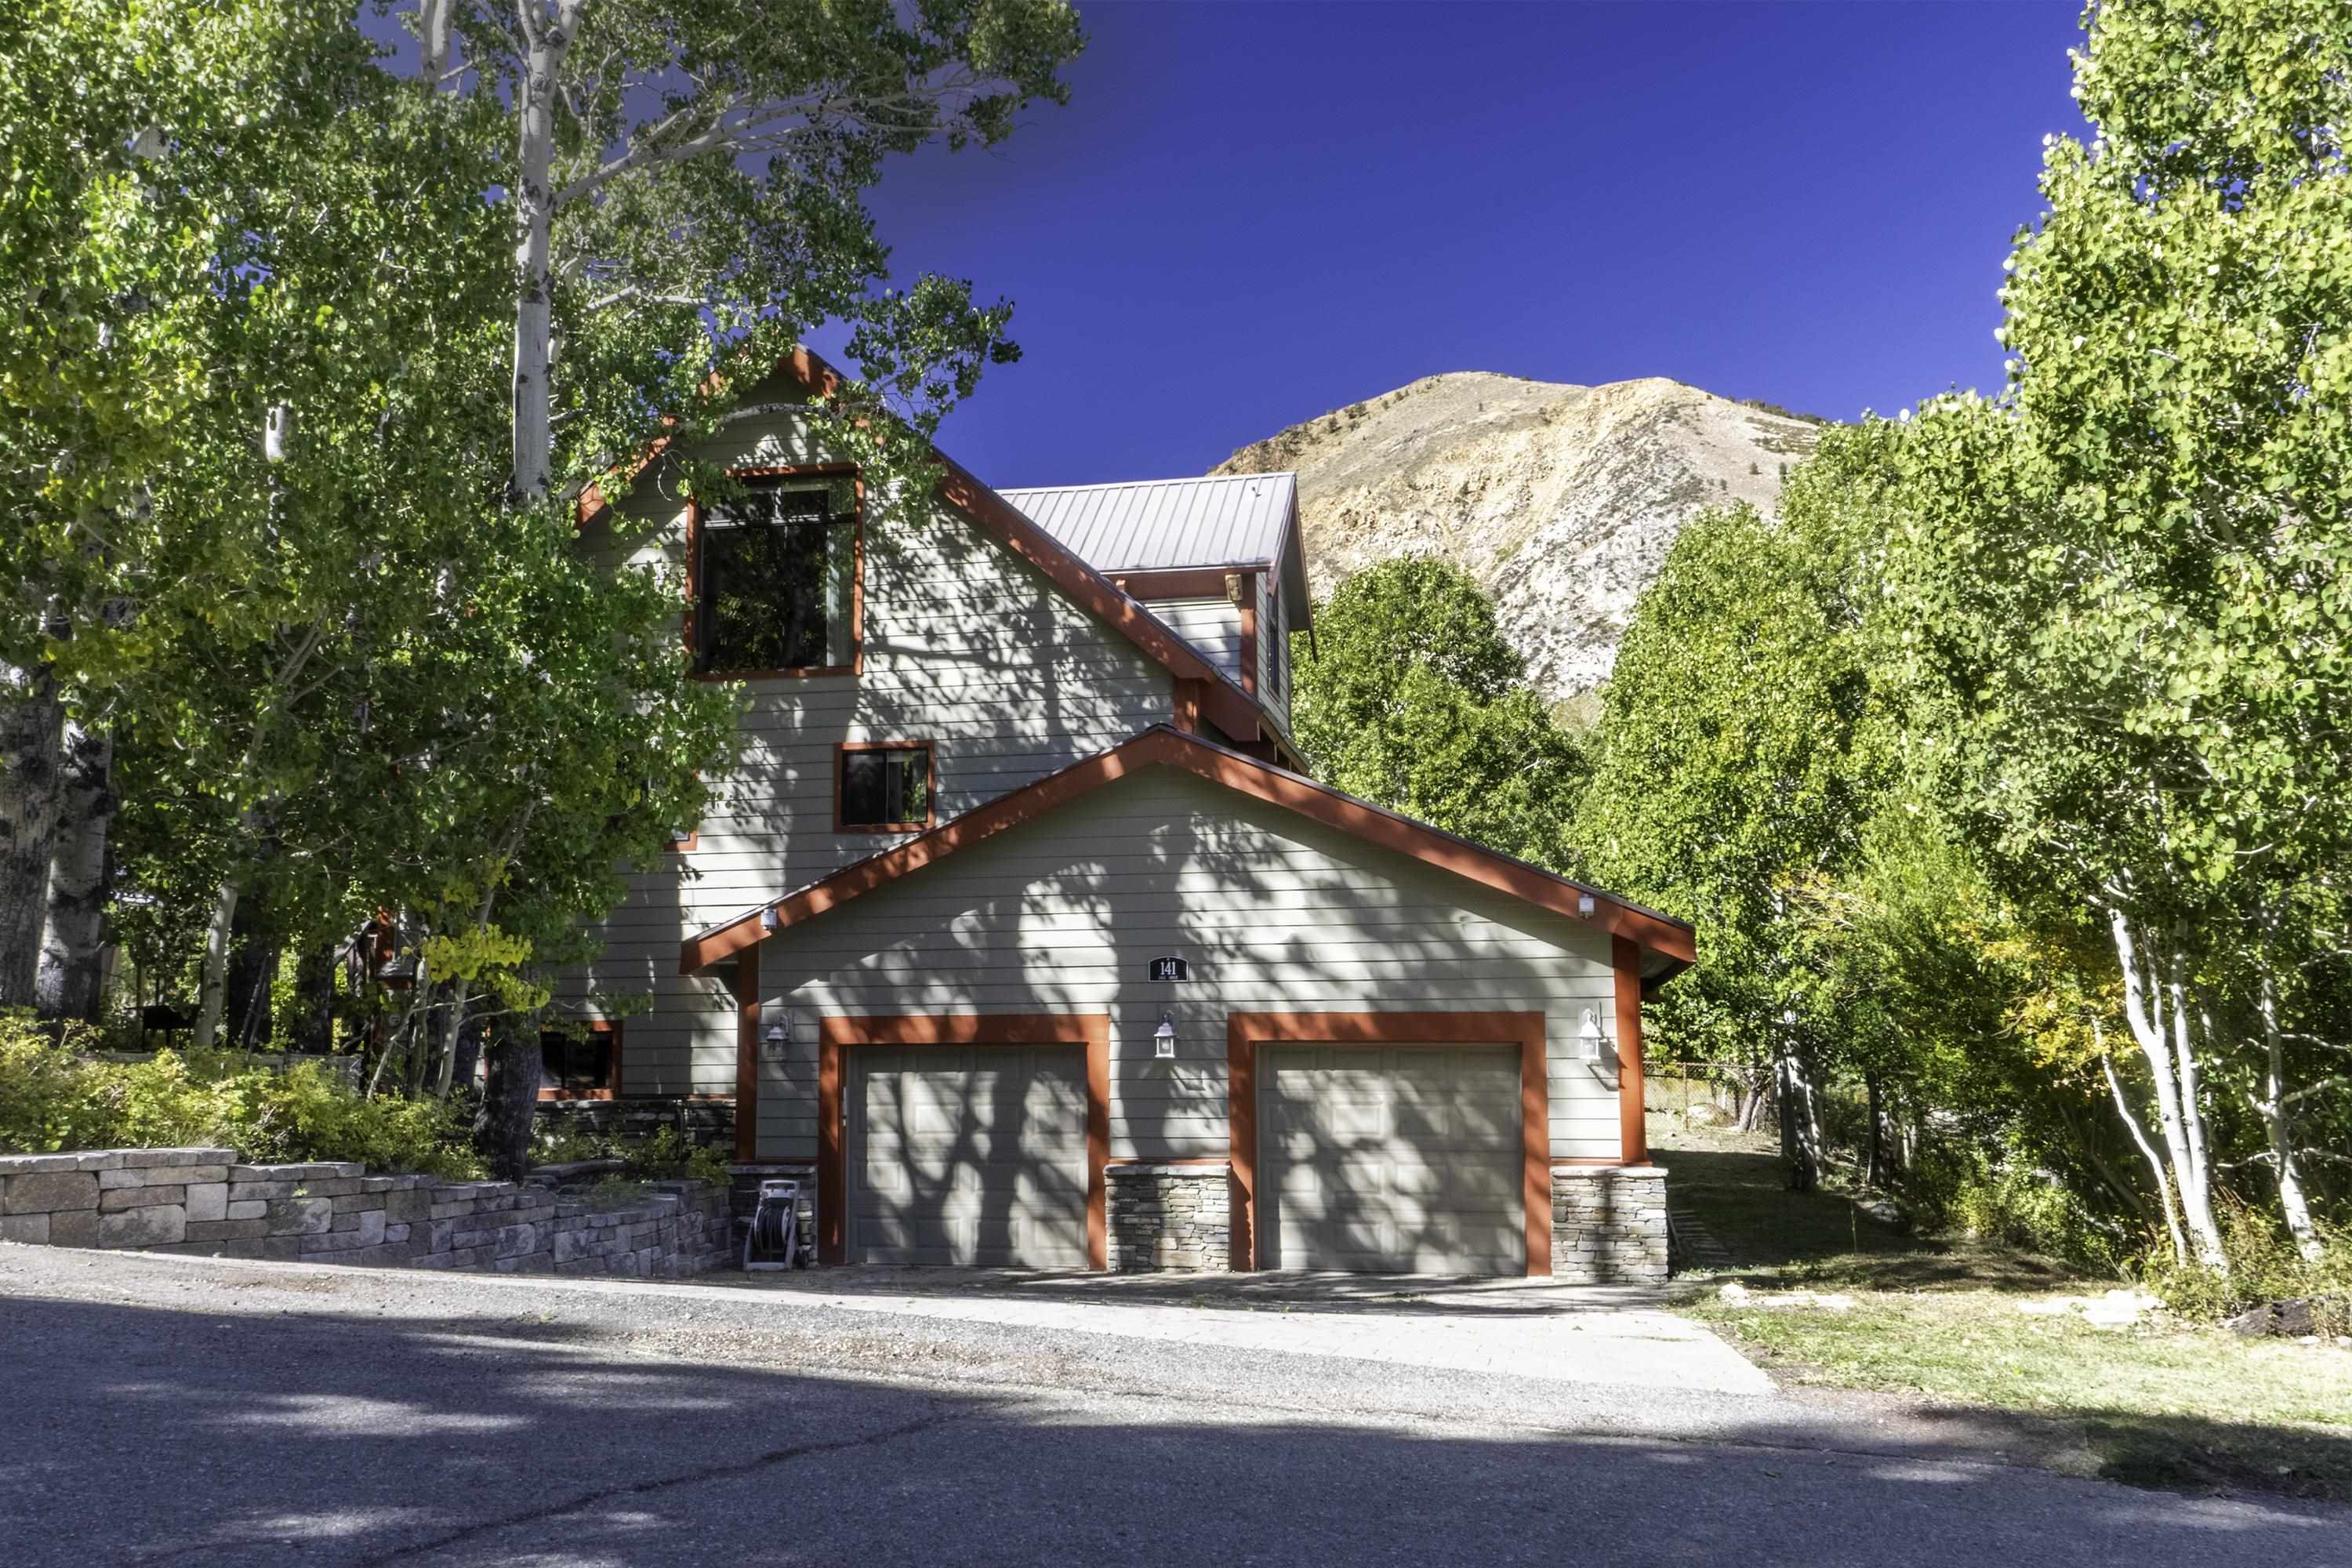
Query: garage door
{"points": [[974, 1157], [1393, 1159]]}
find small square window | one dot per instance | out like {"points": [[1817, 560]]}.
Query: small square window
{"points": [[885, 789], [574, 1065]]}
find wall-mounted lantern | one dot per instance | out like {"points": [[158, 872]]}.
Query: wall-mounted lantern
{"points": [[768, 917], [1584, 905], [1589, 1037], [1163, 1038]]}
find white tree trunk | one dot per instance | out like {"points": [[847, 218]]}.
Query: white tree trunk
{"points": [[2279, 1121], [32, 724], [2155, 1161], [2192, 1100], [213, 994], [534, 199], [70, 977], [445, 1071], [2164, 1051], [433, 51]]}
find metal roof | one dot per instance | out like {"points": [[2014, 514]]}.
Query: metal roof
{"points": [[1150, 525]]}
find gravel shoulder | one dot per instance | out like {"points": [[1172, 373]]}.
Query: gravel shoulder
{"points": [[192, 1411]]}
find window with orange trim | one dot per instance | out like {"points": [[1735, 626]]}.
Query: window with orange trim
{"points": [[777, 577], [580, 1063], [883, 787]]}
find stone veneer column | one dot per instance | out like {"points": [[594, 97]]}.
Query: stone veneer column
{"points": [[1609, 1225], [1171, 1216]]}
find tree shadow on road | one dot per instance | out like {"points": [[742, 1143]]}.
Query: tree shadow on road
{"points": [[300, 1428]]}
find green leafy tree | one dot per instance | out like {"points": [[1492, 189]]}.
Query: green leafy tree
{"points": [[131, 138], [2126, 578], [1411, 698], [1743, 748], [685, 173], [283, 383], [345, 675]]}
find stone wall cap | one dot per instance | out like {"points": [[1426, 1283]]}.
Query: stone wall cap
{"points": [[143, 1159], [1608, 1171], [40, 1164], [1167, 1168]]}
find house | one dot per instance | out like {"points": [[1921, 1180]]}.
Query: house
{"points": [[1024, 934]]}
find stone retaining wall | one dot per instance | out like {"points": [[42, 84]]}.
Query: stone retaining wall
{"points": [[205, 1201], [1609, 1225], [1166, 1216]]}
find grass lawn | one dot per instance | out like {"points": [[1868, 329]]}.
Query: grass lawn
{"points": [[2159, 1403]]}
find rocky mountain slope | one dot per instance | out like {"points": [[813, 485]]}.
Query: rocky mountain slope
{"points": [[1559, 499]]}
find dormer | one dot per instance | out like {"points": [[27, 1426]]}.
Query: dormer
{"points": [[1221, 559]]}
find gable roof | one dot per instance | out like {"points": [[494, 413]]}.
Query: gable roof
{"points": [[1222, 699], [1157, 525], [1669, 945]]}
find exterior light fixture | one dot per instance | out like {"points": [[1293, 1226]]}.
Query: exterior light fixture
{"points": [[768, 917], [1589, 1037], [1584, 908], [1163, 1038]]}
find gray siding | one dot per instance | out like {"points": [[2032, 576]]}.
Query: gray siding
{"points": [[1212, 626], [965, 646], [1276, 913]]}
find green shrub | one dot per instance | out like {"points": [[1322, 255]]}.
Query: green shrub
{"points": [[553, 1144], [54, 1095], [611, 1193], [665, 1156], [305, 1113], [2264, 1266], [2008, 1203]]}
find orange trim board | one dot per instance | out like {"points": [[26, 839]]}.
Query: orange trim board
{"points": [[837, 1036], [1245, 1032], [1185, 581], [747, 1055], [1163, 747]]}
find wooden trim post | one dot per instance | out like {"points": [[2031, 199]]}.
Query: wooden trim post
{"points": [[1633, 1119], [746, 1055]]}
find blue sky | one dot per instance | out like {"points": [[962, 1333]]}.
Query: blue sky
{"points": [[1254, 211]]}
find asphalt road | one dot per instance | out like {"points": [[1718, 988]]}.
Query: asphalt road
{"points": [[185, 1412]]}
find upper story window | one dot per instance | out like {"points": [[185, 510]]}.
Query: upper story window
{"points": [[777, 587], [884, 788]]}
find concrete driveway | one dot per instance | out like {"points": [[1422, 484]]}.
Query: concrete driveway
{"points": [[1522, 1328], [202, 1413]]}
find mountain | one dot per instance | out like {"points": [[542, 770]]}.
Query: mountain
{"points": [[1559, 499]]}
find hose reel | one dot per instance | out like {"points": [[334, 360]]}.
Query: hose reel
{"points": [[772, 1237]]}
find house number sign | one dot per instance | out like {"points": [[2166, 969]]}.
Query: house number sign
{"points": [[1170, 969]]}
